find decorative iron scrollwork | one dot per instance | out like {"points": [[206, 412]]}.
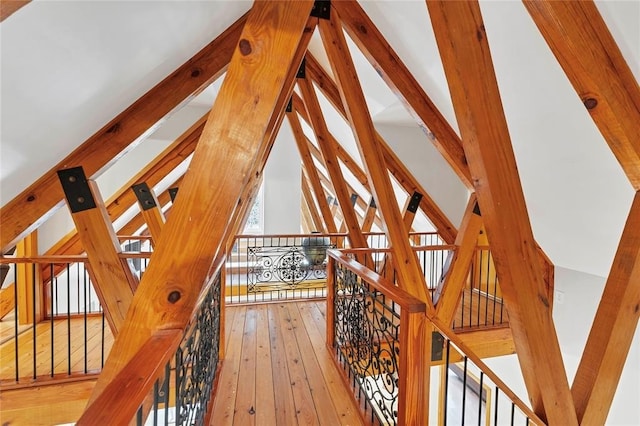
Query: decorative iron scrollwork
{"points": [[367, 333], [285, 267], [197, 360]]}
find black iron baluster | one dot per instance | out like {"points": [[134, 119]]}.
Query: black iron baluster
{"points": [[15, 318], [513, 411], [495, 413], [480, 399], [33, 309], [464, 389], [85, 289], [446, 381], [68, 319], [52, 324]]}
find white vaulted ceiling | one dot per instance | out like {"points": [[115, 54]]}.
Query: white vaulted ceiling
{"points": [[69, 67]]}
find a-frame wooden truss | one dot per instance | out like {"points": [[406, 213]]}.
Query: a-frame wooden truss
{"points": [[278, 33]]}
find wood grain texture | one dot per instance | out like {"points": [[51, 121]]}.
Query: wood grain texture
{"points": [[410, 276], [465, 54], [331, 163], [134, 381], [151, 174], [233, 139], [111, 276], [402, 175], [318, 223], [31, 299], [613, 328], [591, 59], [153, 217], [40, 200], [449, 291], [394, 72], [414, 373], [312, 173], [7, 300]]}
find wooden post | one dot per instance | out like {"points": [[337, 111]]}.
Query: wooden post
{"points": [[150, 209], [445, 228], [464, 49], [613, 328], [29, 282], [410, 276], [414, 366], [111, 275], [237, 130], [449, 290]]}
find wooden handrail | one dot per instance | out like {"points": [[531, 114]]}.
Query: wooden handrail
{"points": [[406, 301], [68, 258], [120, 400]]}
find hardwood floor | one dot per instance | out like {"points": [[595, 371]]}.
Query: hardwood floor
{"points": [[277, 370], [71, 339]]}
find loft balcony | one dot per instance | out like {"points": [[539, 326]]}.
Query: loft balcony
{"points": [[295, 362]]}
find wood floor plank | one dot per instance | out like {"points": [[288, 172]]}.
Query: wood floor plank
{"points": [[320, 393], [283, 394], [313, 316], [305, 410], [265, 400], [246, 394], [225, 399]]}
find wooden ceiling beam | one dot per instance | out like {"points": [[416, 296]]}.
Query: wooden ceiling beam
{"points": [[312, 173], [316, 219], [111, 275], [587, 52], [443, 225], [40, 200], [394, 72], [613, 328], [410, 276], [137, 221], [464, 49], [449, 290], [150, 209], [164, 163], [342, 154], [233, 140], [369, 216], [331, 162]]}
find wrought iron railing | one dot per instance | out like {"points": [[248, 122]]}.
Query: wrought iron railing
{"points": [[471, 394], [182, 396], [276, 267], [375, 330], [364, 322], [264, 268], [52, 324]]}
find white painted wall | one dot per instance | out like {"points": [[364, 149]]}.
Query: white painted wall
{"points": [[282, 194], [430, 169]]}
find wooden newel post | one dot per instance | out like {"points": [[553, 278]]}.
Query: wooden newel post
{"points": [[331, 285], [414, 368]]}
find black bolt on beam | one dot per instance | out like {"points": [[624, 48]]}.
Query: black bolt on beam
{"points": [[354, 199], [144, 195], [372, 203], [302, 70], [76, 189], [172, 193], [321, 9], [476, 209], [414, 203], [289, 107]]}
